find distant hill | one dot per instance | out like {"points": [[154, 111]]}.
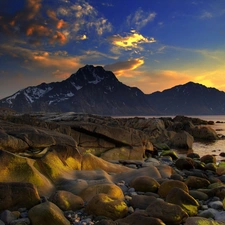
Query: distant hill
{"points": [[96, 91], [89, 90], [189, 99]]}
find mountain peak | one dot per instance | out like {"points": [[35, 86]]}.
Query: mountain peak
{"points": [[90, 74]]}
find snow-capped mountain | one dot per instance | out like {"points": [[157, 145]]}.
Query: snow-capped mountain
{"points": [[89, 90]]}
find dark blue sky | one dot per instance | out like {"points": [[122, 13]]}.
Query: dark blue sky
{"points": [[153, 45]]}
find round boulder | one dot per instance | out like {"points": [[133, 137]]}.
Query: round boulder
{"points": [[208, 159], [138, 218], [167, 212], [141, 201], [103, 205], [47, 213], [145, 184], [16, 195], [66, 200], [184, 163], [196, 182], [179, 197], [168, 185], [111, 190]]}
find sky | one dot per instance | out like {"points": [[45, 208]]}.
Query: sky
{"points": [[152, 45]]}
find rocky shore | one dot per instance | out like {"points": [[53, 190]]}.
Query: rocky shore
{"points": [[81, 169]]}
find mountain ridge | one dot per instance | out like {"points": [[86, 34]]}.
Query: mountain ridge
{"points": [[97, 91]]}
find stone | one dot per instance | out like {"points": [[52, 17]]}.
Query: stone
{"points": [[138, 218], [170, 153], [196, 182], [218, 205], [2, 223], [179, 197], [141, 201], [211, 166], [104, 205], [47, 213], [16, 195], [20, 221], [182, 140], [66, 200], [168, 185], [145, 184], [167, 212], [204, 133], [224, 203], [7, 216], [208, 159], [112, 190], [201, 221], [92, 162], [198, 195], [193, 155], [184, 163]]}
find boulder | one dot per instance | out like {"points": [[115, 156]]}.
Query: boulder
{"points": [[112, 190], [92, 162], [184, 163], [196, 182], [141, 201], [198, 195], [168, 185], [47, 213], [145, 184], [138, 218], [103, 205], [20, 169], [201, 220], [66, 200], [167, 212], [182, 140], [208, 159], [15, 195], [204, 133], [179, 197], [170, 153]]}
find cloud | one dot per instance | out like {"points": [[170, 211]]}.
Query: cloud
{"points": [[140, 18], [120, 67], [206, 15], [43, 25], [130, 41]]}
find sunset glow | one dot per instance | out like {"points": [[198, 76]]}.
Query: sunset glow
{"points": [[153, 45]]}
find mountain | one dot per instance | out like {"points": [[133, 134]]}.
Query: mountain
{"points": [[96, 91], [89, 90], [189, 99]]}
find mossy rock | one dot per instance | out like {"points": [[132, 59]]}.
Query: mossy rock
{"points": [[170, 153]]}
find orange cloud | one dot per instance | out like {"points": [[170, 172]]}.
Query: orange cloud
{"points": [[58, 37], [132, 40], [120, 67], [37, 30]]}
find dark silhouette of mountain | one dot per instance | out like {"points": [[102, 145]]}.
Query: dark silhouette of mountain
{"points": [[96, 91], [189, 99], [89, 90]]}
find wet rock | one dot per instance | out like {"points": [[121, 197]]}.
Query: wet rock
{"points": [[66, 200], [184, 163], [196, 182], [167, 212], [145, 184], [170, 153], [112, 190], [208, 159], [168, 185], [200, 220], [141, 201], [7, 216], [198, 195], [16, 195], [138, 218], [193, 155], [182, 140], [179, 197], [47, 213], [103, 205]]}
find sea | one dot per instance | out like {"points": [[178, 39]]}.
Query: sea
{"points": [[204, 148]]}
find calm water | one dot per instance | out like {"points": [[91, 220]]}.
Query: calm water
{"points": [[214, 148]]}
